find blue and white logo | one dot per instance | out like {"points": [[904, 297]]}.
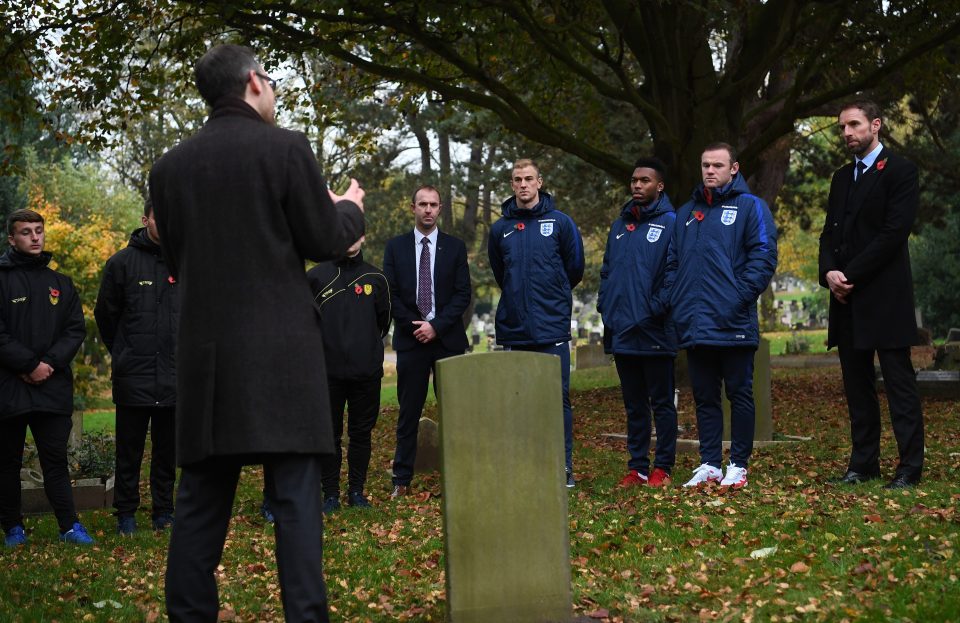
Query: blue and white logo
{"points": [[728, 217], [546, 229], [653, 234]]}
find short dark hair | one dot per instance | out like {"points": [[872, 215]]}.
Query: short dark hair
{"points": [[413, 198], [869, 108], [22, 216], [222, 71], [721, 145], [651, 163], [147, 207]]}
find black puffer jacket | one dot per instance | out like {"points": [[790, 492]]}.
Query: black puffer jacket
{"points": [[40, 320], [354, 301], [137, 312]]}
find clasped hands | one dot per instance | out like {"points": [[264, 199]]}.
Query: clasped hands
{"points": [[839, 286]]}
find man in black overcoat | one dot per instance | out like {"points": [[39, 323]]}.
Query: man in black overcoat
{"points": [[239, 206], [864, 261], [429, 291]]}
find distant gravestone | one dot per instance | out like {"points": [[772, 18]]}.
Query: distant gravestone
{"points": [[428, 447], [763, 429], [506, 530], [953, 335], [591, 356]]}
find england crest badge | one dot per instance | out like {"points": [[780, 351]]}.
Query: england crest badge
{"points": [[653, 234], [546, 229], [728, 217]]}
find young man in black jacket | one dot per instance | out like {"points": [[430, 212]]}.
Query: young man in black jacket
{"points": [[41, 330], [354, 301], [137, 310]]}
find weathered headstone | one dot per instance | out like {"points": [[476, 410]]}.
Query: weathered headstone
{"points": [[591, 356], [763, 430], [428, 447], [506, 530]]}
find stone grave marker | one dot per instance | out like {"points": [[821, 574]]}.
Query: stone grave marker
{"points": [[506, 531], [591, 356], [763, 430], [428, 447]]}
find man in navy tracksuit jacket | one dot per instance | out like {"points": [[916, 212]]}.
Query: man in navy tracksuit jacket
{"points": [[536, 255], [635, 324], [722, 257]]}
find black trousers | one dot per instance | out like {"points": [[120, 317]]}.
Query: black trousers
{"points": [[903, 398], [362, 400], [414, 367], [132, 423], [204, 504], [50, 434], [647, 385]]}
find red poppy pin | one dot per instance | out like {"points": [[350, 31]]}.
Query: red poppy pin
{"points": [[519, 226], [881, 164], [698, 215], [171, 279], [631, 227], [54, 296], [358, 289]]}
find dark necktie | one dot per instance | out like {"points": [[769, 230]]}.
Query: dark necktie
{"points": [[861, 167], [424, 280]]}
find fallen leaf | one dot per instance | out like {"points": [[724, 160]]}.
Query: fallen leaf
{"points": [[799, 567], [763, 552]]}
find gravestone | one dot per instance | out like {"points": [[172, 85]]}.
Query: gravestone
{"points": [[763, 428], [428, 447], [506, 531], [591, 356]]}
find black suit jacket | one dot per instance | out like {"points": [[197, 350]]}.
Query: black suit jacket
{"points": [[451, 290], [870, 248]]}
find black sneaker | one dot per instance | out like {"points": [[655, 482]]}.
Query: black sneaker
{"points": [[266, 512], [126, 525], [358, 499], [571, 483], [162, 521], [331, 504]]}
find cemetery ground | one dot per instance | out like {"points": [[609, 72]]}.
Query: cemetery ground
{"points": [[788, 547]]}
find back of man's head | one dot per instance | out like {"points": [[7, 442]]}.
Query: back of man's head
{"points": [[22, 216], [223, 71]]}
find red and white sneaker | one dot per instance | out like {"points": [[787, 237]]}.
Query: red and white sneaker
{"points": [[659, 478], [735, 477], [703, 475], [633, 479]]}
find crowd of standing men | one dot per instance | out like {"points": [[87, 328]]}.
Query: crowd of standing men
{"points": [[259, 359]]}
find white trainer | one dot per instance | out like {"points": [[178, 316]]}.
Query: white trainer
{"points": [[704, 474], [735, 477]]}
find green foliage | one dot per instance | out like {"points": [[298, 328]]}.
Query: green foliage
{"points": [[935, 256], [94, 456]]}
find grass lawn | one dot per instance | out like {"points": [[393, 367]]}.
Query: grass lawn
{"points": [[816, 338], [841, 553]]}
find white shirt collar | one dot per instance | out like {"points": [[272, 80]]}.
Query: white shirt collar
{"points": [[871, 157], [432, 236]]}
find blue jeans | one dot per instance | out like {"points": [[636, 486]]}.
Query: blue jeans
{"points": [[733, 366], [561, 350]]}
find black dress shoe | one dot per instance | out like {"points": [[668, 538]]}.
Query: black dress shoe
{"points": [[854, 478], [902, 481]]}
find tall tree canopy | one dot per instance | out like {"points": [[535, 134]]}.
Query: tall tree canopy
{"points": [[599, 79]]}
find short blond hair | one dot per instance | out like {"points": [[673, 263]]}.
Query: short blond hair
{"points": [[522, 163]]}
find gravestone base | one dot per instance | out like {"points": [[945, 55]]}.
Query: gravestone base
{"points": [[88, 494]]}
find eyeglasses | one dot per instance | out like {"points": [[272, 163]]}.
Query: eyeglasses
{"points": [[270, 81]]}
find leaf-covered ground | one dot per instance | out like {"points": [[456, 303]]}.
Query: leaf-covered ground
{"points": [[789, 547]]}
